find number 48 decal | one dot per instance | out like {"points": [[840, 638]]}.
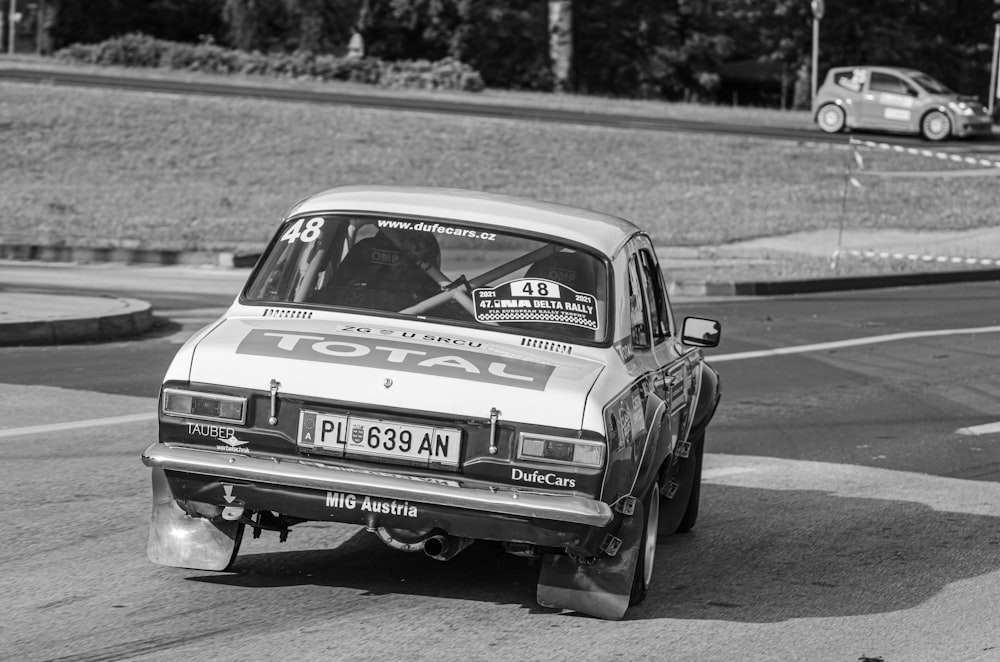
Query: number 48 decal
{"points": [[307, 234], [535, 288]]}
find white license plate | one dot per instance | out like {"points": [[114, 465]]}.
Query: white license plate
{"points": [[370, 437]]}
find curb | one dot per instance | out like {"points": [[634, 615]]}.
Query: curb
{"points": [[137, 319], [45, 253], [692, 288], [812, 286]]}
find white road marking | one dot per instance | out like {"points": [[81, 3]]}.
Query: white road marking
{"points": [[722, 472], [76, 425], [854, 342], [985, 428]]}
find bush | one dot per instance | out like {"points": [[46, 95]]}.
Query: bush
{"points": [[138, 50]]}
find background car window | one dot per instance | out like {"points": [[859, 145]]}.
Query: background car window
{"points": [[882, 82], [637, 306], [656, 295], [932, 85], [851, 80]]}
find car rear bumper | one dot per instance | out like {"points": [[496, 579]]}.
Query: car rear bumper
{"points": [[311, 487]]}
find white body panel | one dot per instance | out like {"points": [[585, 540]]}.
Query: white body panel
{"points": [[429, 368]]}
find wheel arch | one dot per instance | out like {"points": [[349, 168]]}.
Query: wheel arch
{"points": [[939, 108], [709, 396], [657, 445]]}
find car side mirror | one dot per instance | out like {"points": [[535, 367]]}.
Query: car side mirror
{"points": [[701, 332]]}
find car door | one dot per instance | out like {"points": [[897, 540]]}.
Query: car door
{"points": [[888, 102], [673, 372]]}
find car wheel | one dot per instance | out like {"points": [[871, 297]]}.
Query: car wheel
{"points": [[935, 126], [681, 508], [647, 546], [691, 512], [831, 118]]}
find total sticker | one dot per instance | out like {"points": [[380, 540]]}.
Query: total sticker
{"points": [[535, 300]]}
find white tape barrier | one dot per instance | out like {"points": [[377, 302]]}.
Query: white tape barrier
{"points": [[914, 257], [994, 169], [943, 156]]}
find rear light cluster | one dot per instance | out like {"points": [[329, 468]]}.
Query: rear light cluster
{"points": [[205, 406], [560, 450]]}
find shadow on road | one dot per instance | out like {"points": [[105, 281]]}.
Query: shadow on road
{"points": [[757, 556]]}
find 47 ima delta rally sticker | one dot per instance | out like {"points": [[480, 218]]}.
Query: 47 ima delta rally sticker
{"points": [[535, 300]]}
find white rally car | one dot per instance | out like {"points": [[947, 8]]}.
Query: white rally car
{"points": [[440, 367]]}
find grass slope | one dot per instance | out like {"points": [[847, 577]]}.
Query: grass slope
{"points": [[111, 168]]}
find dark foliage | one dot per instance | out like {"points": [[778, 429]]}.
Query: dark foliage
{"points": [[87, 21], [138, 50], [753, 51]]}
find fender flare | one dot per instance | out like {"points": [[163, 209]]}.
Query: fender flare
{"points": [[708, 398], [656, 446]]}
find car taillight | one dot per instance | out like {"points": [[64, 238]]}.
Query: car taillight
{"points": [[560, 450], [205, 406]]}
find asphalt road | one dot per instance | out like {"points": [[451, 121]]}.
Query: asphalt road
{"points": [[831, 529]]}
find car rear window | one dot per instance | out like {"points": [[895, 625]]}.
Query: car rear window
{"points": [[851, 80], [437, 270]]}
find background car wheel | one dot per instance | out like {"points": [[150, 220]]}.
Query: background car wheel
{"points": [[647, 546], [831, 118], [691, 512], [935, 126]]}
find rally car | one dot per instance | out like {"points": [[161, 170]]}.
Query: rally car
{"points": [[440, 367], [899, 100]]}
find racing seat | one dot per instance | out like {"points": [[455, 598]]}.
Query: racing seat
{"points": [[379, 274], [575, 270]]}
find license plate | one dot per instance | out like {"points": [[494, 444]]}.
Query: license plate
{"points": [[389, 440]]}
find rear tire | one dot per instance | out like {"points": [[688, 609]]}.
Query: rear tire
{"points": [[935, 126], [831, 118], [647, 546], [691, 512]]}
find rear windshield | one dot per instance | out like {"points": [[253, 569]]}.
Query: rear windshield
{"points": [[436, 270]]}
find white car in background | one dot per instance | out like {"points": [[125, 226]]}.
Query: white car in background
{"points": [[442, 367], [897, 100]]}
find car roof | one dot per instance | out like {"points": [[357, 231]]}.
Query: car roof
{"points": [[895, 70], [604, 232]]}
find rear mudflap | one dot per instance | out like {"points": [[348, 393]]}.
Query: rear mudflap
{"points": [[182, 541], [601, 587]]}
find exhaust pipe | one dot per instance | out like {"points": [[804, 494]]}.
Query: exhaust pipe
{"points": [[444, 547]]}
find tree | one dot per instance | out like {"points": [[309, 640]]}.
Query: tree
{"points": [[507, 42], [561, 43]]}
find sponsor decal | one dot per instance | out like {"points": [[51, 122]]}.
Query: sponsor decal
{"points": [[638, 418], [393, 333], [900, 114], [386, 353], [385, 257], [625, 417], [437, 228], [347, 501], [227, 435], [535, 300], [542, 478]]}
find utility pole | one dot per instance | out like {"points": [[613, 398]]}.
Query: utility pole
{"points": [[12, 18], [817, 10], [993, 69]]}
